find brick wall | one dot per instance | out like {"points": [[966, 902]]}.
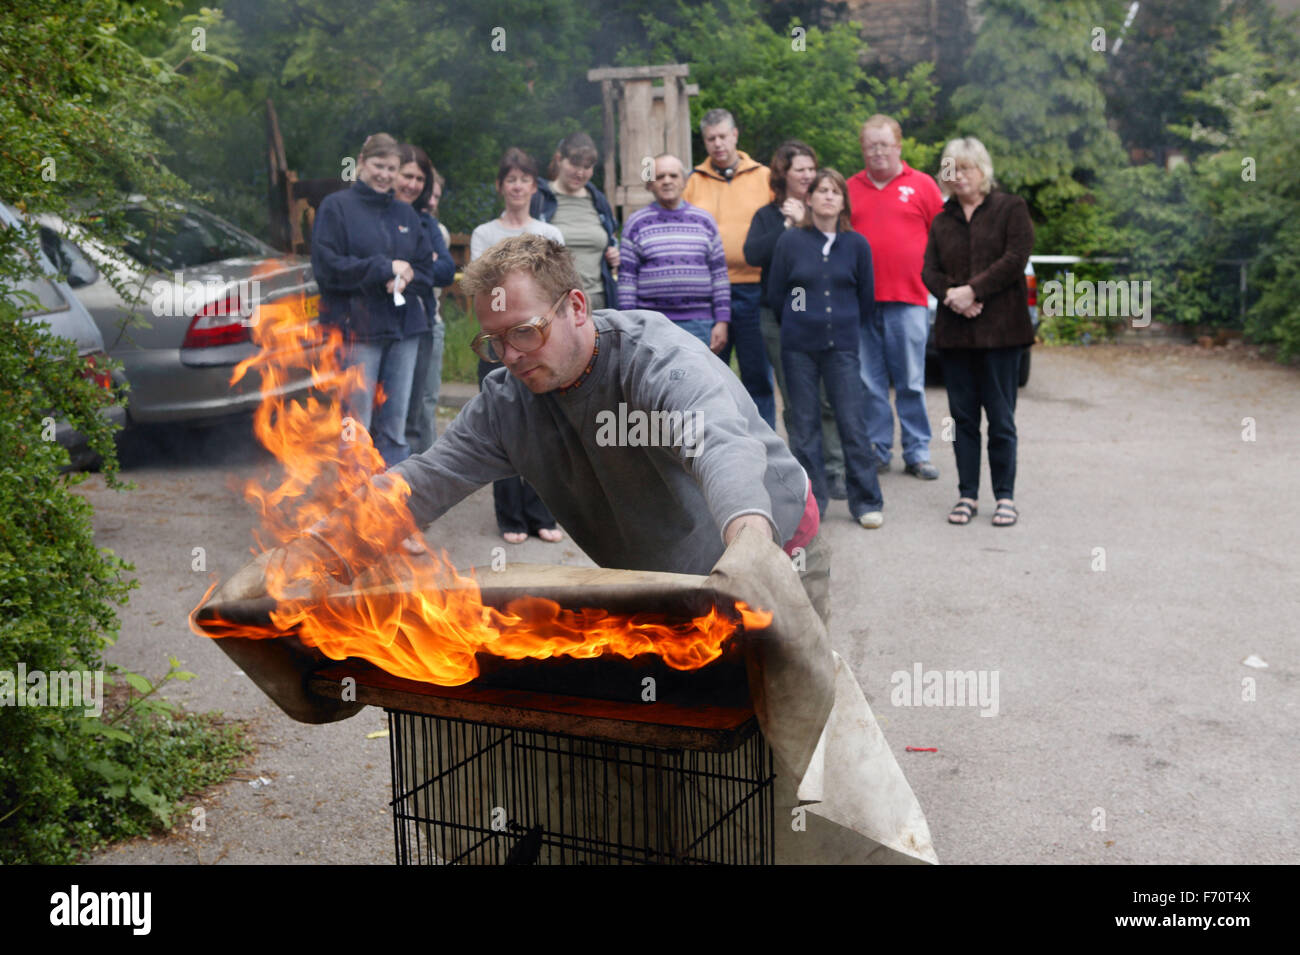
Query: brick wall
{"points": [[900, 33]]}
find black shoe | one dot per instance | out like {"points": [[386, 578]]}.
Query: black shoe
{"points": [[837, 490], [924, 470], [883, 465]]}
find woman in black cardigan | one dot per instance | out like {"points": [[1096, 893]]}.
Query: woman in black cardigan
{"points": [[975, 266]]}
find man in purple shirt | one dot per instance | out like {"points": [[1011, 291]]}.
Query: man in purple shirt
{"points": [[672, 261]]}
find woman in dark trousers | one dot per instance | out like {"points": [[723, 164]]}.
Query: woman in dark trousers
{"points": [[821, 285], [583, 215], [519, 510], [374, 264], [975, 266], [794, 164]]}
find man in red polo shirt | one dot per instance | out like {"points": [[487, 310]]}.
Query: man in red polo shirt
{"points": [[893, 205]]}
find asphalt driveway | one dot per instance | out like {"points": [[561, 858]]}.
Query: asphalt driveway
{"points": [[1157, 550]]}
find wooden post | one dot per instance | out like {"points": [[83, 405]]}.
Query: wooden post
{"points": [[610, 138], [642, 120]]}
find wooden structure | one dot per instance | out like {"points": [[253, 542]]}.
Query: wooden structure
{"points": [[647, 111], [292, 201]]}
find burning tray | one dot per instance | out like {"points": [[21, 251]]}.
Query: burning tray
{"points": [[284, 667]]}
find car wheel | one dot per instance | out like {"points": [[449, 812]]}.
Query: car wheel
{"points": [[1024, 368]]}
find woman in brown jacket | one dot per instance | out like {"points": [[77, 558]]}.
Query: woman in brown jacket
{"points": [[975, 266]]}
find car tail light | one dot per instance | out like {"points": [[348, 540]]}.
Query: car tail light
{"points": [[1031, 282], [97, 371], [220, 323]]}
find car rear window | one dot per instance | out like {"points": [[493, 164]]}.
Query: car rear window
{"points": [[48, 298], [189, 238]]}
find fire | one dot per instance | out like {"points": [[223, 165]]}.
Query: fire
{"points": [[419, 618]]}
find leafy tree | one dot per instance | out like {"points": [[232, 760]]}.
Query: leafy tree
{"points": [[464, 81], [1034, 98], [1246, 173], [1166, 53], [801, 82], [77, 102]]}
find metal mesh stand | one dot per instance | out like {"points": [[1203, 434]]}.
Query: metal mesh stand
{"points": [[469, 793]]}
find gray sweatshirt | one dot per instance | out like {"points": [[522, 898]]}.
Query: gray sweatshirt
{"points": [[644, 463]]}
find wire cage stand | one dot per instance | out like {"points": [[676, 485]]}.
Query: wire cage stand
{"points": [[470, 793]]}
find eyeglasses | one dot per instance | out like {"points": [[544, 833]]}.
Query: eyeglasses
{"points": [[879, 148], [528, 336]]}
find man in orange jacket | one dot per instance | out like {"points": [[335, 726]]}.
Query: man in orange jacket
{"points": [[731, 187]]}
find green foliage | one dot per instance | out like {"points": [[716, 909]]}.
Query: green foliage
{"points": [[464, 81], [1033, 97], [89, 780], [783, 85], [459, 363], [1085, 326], [77, 101], [1235, 200]]}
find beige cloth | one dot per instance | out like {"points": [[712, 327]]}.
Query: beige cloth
{"points": [[840, 794], [833, 761]]}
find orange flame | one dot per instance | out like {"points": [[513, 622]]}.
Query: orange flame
{"points": [[430, 626]]}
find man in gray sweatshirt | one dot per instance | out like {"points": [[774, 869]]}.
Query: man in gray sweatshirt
{"points": [[645, 447]]}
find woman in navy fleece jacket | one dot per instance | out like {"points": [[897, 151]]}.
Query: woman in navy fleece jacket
{"points": [[374, 264], [820, 286]]}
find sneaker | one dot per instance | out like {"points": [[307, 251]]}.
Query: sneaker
{"points": [[837, 490], [923, 469], [872, 519]]}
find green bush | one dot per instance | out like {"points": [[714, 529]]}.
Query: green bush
{"points": [[459, 363], [77, 106]]}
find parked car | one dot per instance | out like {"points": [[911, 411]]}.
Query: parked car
{"points": [[932, 353], [57, 307], [200, 281]]}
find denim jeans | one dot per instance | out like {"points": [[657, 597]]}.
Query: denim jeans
{"points": [[746, 337], [390, 365], [985, 378], [426, 385], [701, 328], [804, 373], [893, 350], [831, 450]]}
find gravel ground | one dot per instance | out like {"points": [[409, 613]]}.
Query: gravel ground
{"points": [[1156, 552]]}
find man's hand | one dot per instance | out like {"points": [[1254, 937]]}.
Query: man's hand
{"points": [[756, 521], [611, 256], [960, 298], [402, 270], [718, 337]]}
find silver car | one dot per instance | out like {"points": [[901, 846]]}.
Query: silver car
{"points": [[56, 306], [197, 284]]}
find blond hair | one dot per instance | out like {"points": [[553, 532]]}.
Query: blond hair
{"points": [[880, 119], [968, 150], [547, 263], [380, 144]]}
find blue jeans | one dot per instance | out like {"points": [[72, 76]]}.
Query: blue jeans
{"points": [[746, 336], [701, 328], [805, 372], [893, 349], [426, 385], [390, 365]]}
